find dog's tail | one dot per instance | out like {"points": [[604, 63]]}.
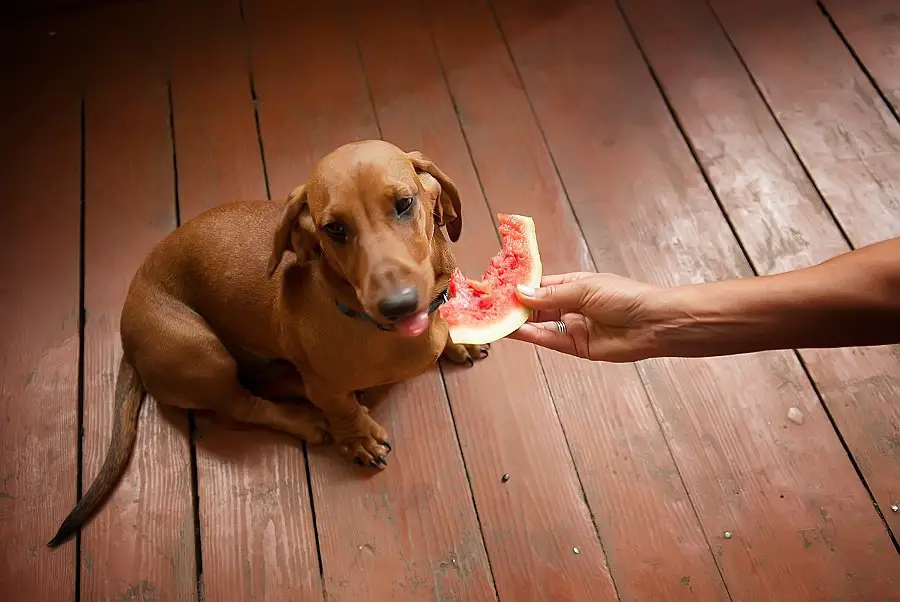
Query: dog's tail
{"points": [[129, 396]]}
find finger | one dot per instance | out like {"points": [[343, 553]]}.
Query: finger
{"points": [[544, 337], [545, 315], [562, 278], [549, 316], [565, 296], [551, 325]]}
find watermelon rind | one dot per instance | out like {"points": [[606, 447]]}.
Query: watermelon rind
{"points": [[489, 331]]}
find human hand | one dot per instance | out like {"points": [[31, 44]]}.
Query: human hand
{"points": [[607, 317]]}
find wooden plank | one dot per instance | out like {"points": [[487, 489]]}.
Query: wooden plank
{"points": [[625, 467], [256, 524], [801, 524], [216, 142], [780, 217], [848, 141], [415, 535], [841, 129], [309, 103], [40, 117], [777, 213], [141, 543], [410, 532], [872, 29]]}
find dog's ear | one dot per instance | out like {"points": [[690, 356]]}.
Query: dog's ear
{"points": [[295, 230], [447, 208]]}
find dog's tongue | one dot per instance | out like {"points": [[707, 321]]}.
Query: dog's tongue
{"points": [[412, 326]]}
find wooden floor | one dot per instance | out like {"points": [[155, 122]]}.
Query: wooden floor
{"points": [[673, 141]]}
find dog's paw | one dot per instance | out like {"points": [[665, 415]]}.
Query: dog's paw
{"points": [[367, 444], [466, 354]]}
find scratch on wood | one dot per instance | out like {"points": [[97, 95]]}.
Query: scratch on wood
{"points": [[143, 591]]}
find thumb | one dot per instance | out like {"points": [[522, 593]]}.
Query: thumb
{"points": [[564, 296]]}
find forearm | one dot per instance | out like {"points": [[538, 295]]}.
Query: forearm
{"points": [[851, 300]]}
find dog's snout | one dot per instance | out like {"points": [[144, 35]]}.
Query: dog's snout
{"points": [[400, 303]]}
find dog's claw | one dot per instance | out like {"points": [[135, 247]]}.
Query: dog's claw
{"points": [[470, 361], [366, 445], [388, 445]]}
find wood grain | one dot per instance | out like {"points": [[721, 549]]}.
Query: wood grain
{"points": [[39, 306], [311, 100], [777, 213], [216, 141], [141, 543], [256, 524], [621, 455], [636, 190], [872, 29], [843, 132], [410, 532]]}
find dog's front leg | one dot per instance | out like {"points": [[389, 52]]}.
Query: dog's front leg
{"points": [[359, 438], [464, 354]]}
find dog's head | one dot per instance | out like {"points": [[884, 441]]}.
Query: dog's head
{"points": [[370, 211]]}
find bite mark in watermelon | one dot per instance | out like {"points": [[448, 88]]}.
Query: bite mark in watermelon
{"points": [[486, 310]]}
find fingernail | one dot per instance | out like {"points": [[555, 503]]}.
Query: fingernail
{"points": [[526, 290]]}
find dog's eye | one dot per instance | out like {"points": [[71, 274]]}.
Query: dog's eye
{"points": [[404, 205], [336, 231]]}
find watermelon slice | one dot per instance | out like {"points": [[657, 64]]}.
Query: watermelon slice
{"points": [[486, 310]]}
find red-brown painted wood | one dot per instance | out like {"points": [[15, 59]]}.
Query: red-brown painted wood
{"points": [[140, 544], [843, 132], [312, 97], [411, 532], [850, 143], [872, 28], [777, 213], [40, 117], [639, 195], [216, 140]]}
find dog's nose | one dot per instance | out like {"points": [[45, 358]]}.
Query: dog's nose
{"points": [[399, 304]]}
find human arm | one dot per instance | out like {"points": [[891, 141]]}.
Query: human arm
{"points": [[850, 300]]}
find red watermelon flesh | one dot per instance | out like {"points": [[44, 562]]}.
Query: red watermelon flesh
{"points": [[486, 310]]}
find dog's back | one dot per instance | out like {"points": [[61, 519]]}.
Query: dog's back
{"points": [[216, 264]]}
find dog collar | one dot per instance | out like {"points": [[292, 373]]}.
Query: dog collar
{"points": [[438, 301]]}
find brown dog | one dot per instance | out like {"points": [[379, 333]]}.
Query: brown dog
{"points": [[219, 317]]}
